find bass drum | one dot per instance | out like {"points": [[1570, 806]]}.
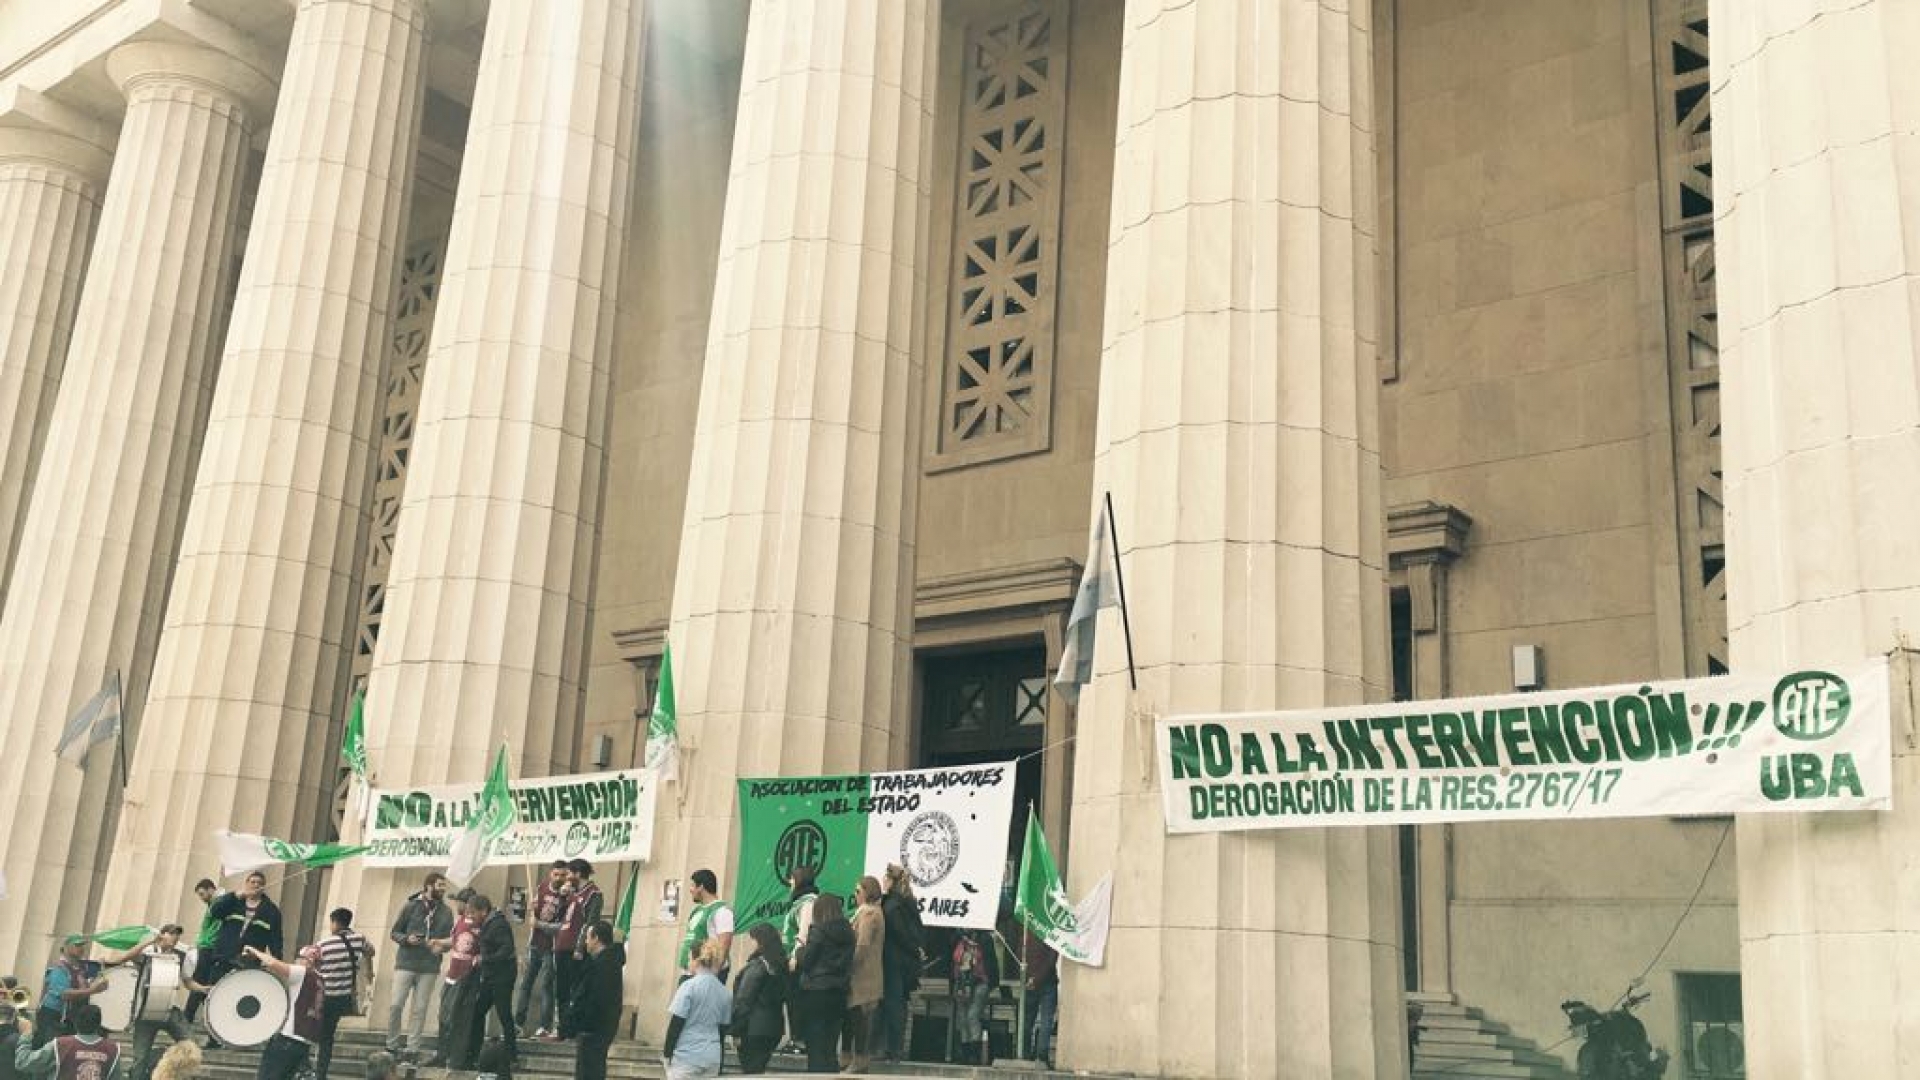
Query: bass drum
{"points": [[246, 1007], [118, 1000], [160, 987]]}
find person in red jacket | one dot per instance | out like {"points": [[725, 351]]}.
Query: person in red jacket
{"points": [[549, 906], [570, 941]]}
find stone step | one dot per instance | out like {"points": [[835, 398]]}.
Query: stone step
{"points": [[1491, 1070]]}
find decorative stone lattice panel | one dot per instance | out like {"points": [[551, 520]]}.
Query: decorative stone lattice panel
{"points": [[1693, 341], [996, 396], [412, 326]]}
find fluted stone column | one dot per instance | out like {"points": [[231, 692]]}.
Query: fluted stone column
{"points": [[50, 189], [484, 633], [1817, 234], [793, 599], [253, 659], [1238, 436], [98, 545]]}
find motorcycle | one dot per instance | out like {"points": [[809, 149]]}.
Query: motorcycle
{"points": [[1616, 1045]]}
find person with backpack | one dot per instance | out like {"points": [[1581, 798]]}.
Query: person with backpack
{"points": [[760, 998], [345, 959], [976, 974]]}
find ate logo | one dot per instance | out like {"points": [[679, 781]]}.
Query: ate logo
{"points": [[1811, 705], [578, 837], [803, 844]]}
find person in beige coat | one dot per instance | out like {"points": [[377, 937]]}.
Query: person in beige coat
{"points": [[863, 996]]}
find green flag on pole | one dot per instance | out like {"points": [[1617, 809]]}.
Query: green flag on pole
{"points": [[353, 745], [123, 937], [663, 731], [495, 815], [1040, 901], [623, 919]]}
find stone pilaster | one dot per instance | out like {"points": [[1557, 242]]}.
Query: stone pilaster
{"points": [[49, 201], [484, 637], [1817, 231], [253, 658], [100, 535], [793, 598], [1238, 436]]}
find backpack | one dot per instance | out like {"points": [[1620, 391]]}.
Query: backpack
{"points": [[361, 1001], [969, 964]]}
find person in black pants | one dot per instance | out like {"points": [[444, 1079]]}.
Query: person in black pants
{"points": [[495, 971], [825, 965], [569, 942], [594, 1013]]}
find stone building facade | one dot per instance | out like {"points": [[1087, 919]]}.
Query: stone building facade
{"points": [[466, 351]]}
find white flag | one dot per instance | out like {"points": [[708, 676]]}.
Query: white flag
{"points": [[96, 722], [1098, 589], [243, 853]]}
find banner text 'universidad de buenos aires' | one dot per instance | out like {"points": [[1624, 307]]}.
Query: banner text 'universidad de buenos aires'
{"points": [[1792, 741]]}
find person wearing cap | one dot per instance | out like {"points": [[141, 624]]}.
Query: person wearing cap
{"points": [[164, 949], [69, 982], [285, 1055]]}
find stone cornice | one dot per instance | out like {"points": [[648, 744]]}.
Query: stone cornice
{"points": [[1034, 585], [1426, 532]]}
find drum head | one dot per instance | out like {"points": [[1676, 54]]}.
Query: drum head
{"points": [[246, 1007], [159, 989], [117, 1000]]}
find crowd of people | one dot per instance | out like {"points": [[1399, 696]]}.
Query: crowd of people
{"points": [[834, 979]]}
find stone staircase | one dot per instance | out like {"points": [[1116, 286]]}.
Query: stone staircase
{"points": [[627, 1061], [1460, 1043]]}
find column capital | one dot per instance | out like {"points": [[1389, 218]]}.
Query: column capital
{"points": [[87, 161], [145, 63]]}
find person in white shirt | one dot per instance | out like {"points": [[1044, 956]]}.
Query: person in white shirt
{"points": [[286, 1053], [165, 951]]}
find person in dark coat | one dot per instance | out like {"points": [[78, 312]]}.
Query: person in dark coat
{"points": [[825, 966], [759, 997], [901, 963], [494, 972], [248, 919], [594, 1012]]}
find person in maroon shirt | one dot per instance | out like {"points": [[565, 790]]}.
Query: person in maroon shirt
{"points": [[462, 947], [570, 940], [549, 907]]}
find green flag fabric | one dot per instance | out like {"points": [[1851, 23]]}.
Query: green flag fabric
{"points": [[799, 822], [663, 730], [496, 814], [243, 853], [1078, 933], [353, 745], [123, 937], [623, 919]]}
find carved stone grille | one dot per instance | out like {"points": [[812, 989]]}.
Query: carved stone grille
{"points": [[412, 325], [997, 380], [1693, 337]]}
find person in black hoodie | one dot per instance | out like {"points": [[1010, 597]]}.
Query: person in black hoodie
{"points": [[759, 993], [494, 973], [594, 1011], [825, 964]]}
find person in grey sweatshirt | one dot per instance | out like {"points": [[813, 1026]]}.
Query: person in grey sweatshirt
{"points": [[423, 919]]}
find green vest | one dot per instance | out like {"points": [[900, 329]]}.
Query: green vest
{"points": [[697, 930], [790, 926]]}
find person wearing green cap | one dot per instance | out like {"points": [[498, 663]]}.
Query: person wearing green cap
{"points": [[69, 982]]}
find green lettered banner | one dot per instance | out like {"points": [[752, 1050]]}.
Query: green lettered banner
{"points": [[600, 817], [1792, 741], [946, 827]]}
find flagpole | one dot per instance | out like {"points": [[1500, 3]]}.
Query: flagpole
{"points": [[120, 729], [1120, 582]]}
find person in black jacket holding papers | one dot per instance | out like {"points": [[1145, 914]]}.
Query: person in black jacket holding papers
{"points": [[494, 973], [594, 1012]]}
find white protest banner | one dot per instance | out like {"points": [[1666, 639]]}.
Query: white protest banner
{"points": [[600, 817], [1793, 741], [946, 827]]}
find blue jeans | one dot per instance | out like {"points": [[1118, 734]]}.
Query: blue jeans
{"points": [[1043, 1007], [539, 979]]}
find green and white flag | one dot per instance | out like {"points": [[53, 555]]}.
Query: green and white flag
{"points": [[623, 919], [353, 745], [495, 815], [122, 938], [1075, 931], [243, 853], [663, 730]]}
